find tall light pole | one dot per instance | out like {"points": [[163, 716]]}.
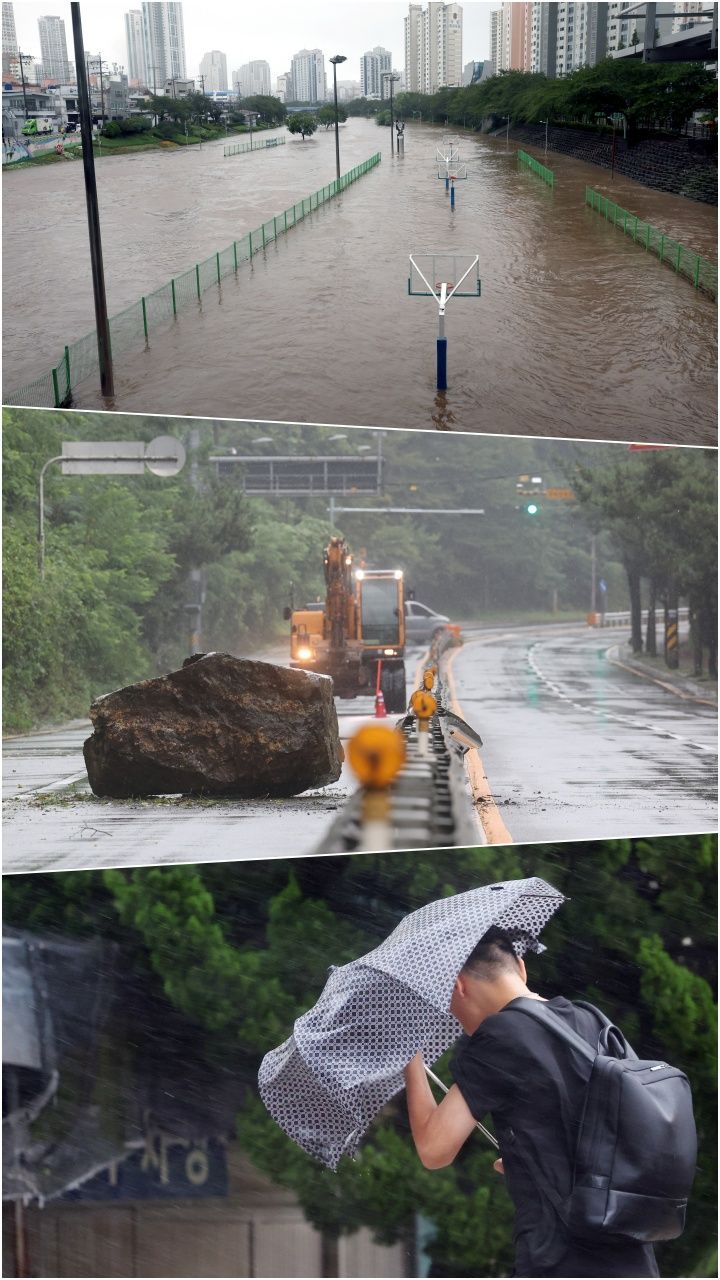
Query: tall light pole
{"points": [[547, 125], [24, 87], [102, 326], [392, 77], [339, 57]]}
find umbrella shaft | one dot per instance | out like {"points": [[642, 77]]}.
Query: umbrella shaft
{"points": [[490, 1137]]}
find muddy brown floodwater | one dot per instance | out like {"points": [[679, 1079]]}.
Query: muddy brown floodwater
{"points": [[578, 331]]}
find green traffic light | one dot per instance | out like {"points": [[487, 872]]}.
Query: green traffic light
{"points": [[532, 508]]}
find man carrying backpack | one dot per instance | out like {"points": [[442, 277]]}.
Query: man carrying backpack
{"points": [[553, 1075]]}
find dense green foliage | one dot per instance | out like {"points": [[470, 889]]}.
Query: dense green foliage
{"points": [[326, 115], [241, 949], [664, 94], [661, 511], [270, 111], [112, 608], [303, 122]]}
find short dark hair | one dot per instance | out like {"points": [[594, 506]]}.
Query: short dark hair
{"points": [[493, 955]]}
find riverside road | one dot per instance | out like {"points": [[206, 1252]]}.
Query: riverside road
{"points": [[578, 331], [575, 747]]}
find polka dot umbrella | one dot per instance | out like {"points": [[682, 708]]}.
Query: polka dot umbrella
{"points": [[345, 1059]]}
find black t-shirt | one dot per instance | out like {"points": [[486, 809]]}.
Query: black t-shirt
{"points": [[533, 1085]]}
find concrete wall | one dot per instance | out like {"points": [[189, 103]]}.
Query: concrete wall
{"points": [[258, 1230], [677, 165]]}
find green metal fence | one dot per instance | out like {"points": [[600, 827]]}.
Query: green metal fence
{"points": [[699, 271], [133, 326], [529, 162], [239, 148]]}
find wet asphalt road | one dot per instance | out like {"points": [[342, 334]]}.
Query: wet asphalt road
{"points": [[574, 748], [52, 821]]}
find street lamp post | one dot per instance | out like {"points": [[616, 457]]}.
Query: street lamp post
{"points": [[102, 325], [507, 132], [339, 57], [392, 77], [22, 81], [547, 125]]}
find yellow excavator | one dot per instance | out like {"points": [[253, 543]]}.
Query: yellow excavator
{"points": [[360, 624]]}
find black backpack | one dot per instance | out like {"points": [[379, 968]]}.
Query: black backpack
{"points": [[636, 1148]]}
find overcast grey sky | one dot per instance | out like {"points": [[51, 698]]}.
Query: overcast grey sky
{"points": [[247, 29]]}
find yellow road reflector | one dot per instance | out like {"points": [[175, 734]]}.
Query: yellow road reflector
{"points": [[423, 704], [376, 753]]}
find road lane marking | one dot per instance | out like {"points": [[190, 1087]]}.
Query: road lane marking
{"points": [[484, 804], [630, 721], [51, 786], [645, 675]]}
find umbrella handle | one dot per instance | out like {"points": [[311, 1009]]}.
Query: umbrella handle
{"points": [[490, 1137]]}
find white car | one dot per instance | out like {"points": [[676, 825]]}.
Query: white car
{"points": [[421, 622]]}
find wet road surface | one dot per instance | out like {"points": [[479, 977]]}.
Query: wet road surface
{"points": [[578, 331], [53, 822], [576, 748]]}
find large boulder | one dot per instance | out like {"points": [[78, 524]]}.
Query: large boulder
{"points": [[219, 726]]}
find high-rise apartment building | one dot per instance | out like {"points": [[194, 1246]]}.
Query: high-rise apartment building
{"points": [[253, 79], [53, 49], [137, 73], [582, 32], [213, 71], [9, 38], [307, 69], [283, 87], [372, 65], [496, 38], [556, 38], [433, 47], [163, 42]]}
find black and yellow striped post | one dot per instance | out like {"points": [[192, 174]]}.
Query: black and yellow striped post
{"points": [[672, 653]]}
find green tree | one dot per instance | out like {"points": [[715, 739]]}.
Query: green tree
{"points": [[241, 950], [326, 115], [302, 122]]}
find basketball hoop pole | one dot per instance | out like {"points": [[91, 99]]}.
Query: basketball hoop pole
{"points": [[441, 379]]}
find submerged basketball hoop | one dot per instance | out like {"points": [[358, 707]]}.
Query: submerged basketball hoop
{"points": [[443, 276]]}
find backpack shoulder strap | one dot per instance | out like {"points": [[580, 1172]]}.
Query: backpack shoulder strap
{"points": [[539, 1012]]}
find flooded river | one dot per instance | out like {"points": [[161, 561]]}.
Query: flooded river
{"points": [[578, 331]]}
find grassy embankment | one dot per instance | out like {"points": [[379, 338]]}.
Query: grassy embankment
{"points": [[151, 140]]}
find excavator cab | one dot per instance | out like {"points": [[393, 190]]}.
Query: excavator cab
{"points": [[381, 607]]}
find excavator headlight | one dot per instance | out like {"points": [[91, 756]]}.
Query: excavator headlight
{"points": [[304, 654], [359, 574], [390, 653], [398, 574]]}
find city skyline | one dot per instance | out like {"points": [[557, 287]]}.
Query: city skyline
{"points": [[277, 33]]}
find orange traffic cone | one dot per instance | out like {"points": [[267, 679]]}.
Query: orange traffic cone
{"points": [[380, 708]]}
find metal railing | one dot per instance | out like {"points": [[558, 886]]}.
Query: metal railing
{"points": [[701, 273], [622, 617], [529, 162], [240, 148], [131, 328]]}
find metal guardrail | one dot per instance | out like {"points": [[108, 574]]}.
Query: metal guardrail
{"points": [[131, 327], [241, 148], [430, 806], [701, 273], [529, 162], [622, 618], [430, 802]]}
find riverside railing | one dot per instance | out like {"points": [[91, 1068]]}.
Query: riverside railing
{"points": [[529, 162], [132, 327], [239, 148], [685, 262]]}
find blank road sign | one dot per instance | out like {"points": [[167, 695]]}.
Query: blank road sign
{"points": [[103, 457], [560, 495]]}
